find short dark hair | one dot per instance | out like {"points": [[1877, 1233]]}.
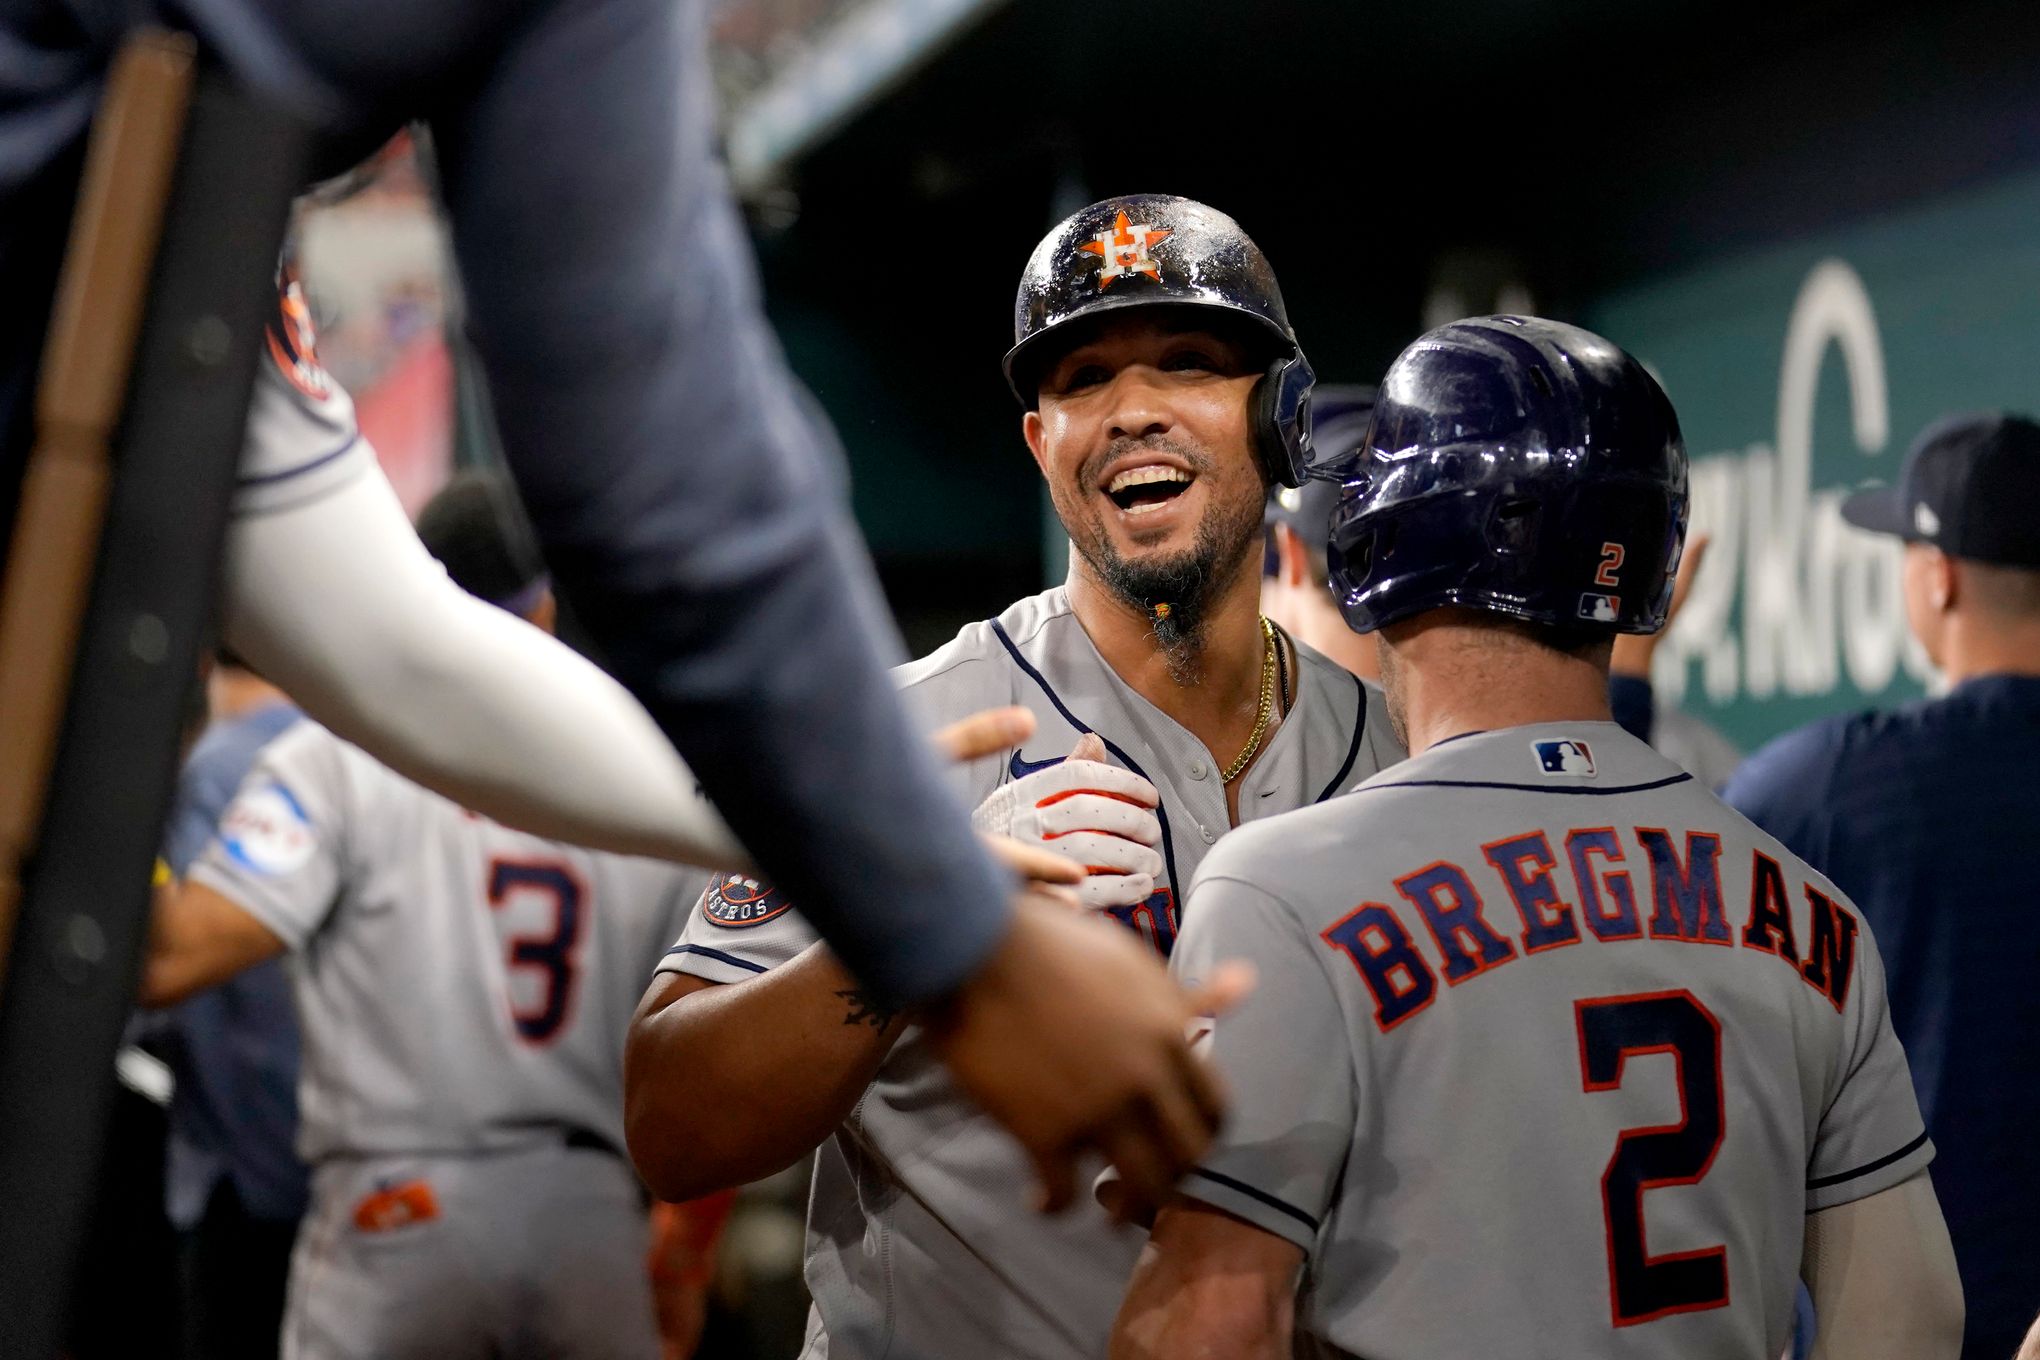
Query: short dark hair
{"points": [[477, 529], [2011, 592]]}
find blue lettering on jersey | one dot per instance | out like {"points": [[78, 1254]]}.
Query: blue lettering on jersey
{"points": [[1687, 897], [1401, 977], [1153, 918], [1447, 900], [1402, 983]]}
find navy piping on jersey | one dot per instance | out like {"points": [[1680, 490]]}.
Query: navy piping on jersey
{"points": [[302, 468], [1161, 813], [1666, 782], [1822, 1182], [731, 959], [1263, 1196], [1353, 751]]}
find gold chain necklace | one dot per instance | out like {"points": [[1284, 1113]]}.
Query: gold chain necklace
{"points": [[1233, 770]]}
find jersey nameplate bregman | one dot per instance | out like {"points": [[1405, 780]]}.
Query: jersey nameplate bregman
{"points": [[1683, 900]]}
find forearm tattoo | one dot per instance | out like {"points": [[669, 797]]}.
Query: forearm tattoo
{"points": [[865, 1010]]}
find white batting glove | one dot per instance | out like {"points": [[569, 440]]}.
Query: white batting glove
{"points": [[1083, 809]]}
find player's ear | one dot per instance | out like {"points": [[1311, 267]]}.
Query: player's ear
{"points": [[1944, 581], [1031, 430]]}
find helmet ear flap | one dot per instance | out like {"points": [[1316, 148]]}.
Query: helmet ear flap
{"points": [[1278, 412]]}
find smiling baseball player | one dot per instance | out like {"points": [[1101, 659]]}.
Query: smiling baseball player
{"points": [[1163, 390], [1553, 1054]]}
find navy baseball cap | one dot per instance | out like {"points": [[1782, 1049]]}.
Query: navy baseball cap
{"points": [[1970, 487], [1339, 416]]}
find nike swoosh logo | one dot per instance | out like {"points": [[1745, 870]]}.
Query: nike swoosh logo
{"points": [[1020, 769]]}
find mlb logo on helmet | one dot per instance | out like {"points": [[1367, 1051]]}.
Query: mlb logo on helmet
{"points": [[1564, 757], [1600, 608]]}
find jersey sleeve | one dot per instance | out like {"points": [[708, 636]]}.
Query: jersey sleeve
{"points": [[302, 440], [1285, 1056], [279, 851], [1871, 1135], [739, 927]]}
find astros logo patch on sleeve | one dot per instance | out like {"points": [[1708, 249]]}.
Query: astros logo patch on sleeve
{"points": [[293, 344], [736, 901]]}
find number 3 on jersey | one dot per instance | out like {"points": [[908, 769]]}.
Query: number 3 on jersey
{"points": [[550, 953], [1612, 1030]]}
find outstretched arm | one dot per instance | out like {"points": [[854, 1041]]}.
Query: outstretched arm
{"points": [[338, 603]]}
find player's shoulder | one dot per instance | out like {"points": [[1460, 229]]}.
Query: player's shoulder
{"points": [[1809, 763], [982, 661]]}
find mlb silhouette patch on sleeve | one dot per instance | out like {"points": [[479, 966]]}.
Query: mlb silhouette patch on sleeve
{"points": [[1564, 757]]}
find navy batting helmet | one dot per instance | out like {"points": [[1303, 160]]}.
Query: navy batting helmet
{"points": [[1517, 466], [1158, 250]]}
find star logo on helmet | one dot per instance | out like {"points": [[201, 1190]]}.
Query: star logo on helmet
{"points": [[1124, 249]]}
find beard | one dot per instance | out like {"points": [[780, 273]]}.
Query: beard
{"points": [[1175, 590]]}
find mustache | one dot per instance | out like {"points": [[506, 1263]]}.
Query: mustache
{"points": [[1193, 456]]}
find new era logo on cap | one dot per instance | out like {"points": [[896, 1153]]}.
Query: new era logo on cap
{"points": [[1564, 758], [1925, 520]]}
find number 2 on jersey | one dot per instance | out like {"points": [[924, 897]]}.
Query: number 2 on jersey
{"points": [[1612, 1030], [550, 954]]}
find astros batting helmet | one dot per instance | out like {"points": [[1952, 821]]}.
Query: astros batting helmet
{"points": [[1158, 250], [1516, 466]]}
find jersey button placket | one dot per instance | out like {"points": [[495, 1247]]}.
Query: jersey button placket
{"points": [[1198, 769]]}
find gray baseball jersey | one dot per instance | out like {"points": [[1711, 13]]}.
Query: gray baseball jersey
{"points": [[302, 441], [1552, 1053], [462, 987], [918, 1244]]}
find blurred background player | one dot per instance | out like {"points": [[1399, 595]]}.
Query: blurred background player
{"points": [[1927, 817], [234, 1187], [1294, 589], [1150, 335], [464, 990], [1508, 1130], [676, 487]]}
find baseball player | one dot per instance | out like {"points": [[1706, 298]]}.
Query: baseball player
{"points": [[463, 990], [1293, 591], [1163, 390], [1553, 1053]]}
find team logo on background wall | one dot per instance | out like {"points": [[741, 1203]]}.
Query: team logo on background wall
{"points": [[1565, 757], [1125, 250], [737, 901]]}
